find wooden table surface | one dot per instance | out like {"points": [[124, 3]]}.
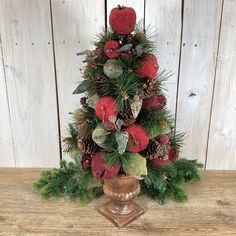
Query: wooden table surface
{"points": [[210, 210]]}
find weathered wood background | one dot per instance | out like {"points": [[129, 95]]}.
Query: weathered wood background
{"points": [[196, 40]]}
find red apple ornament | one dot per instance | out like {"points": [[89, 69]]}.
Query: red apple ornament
{"points": [[122, 19], [147, 66], [101, 170], [138, 138], [155, 101], [106, 109], [161, 161], [110, 49]]}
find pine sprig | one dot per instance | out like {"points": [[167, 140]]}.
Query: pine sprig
{"points": [[177, 140], [103, 36], [116, 157], [166, 182], [70, 142], [143, 38], [154, 120], [122, 88], [162, 77], [68, 180]]}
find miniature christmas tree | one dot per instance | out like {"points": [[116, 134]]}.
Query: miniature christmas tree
{"points": [[123, 126]]}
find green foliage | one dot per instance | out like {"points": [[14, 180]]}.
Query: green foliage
{"points": [[103, 36], [167, 182], [113, 157], [122, 88], [161, 78], [85, 86], [137, 165], [153, 120], [176, 140], [144, 38], [71, 141], [68, 180]]}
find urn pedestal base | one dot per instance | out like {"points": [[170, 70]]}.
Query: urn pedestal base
{"points": [[121, 210], [121, 220]]}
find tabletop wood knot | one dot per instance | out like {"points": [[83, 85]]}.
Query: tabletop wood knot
{"points": [[222, 203]]}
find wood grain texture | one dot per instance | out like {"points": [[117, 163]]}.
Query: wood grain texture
{"points": [[222, 141], [137, 5], [164, 18], [75, 24], [210, 210], [7, 158], [197, 71], [26, 43]]}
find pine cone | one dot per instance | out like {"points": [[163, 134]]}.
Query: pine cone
{"points": [[83, 102], [152, 150], [100, 85], [87, 146], [128, 39], [149, 87], [127, 116]]}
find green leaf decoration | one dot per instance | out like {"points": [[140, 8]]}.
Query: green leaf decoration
{"points": [[119, 123], [76, 155], [126, 47], [112, 68], [122, 140], [99, 136], [92, 100], [82, 87], [136, 105], [136, 166]]}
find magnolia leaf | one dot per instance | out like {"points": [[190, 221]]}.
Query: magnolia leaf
{"points": [[137, 166], [122, 140], [92, 100], [136, 105], [138, 50], [126, 47], [119, 123], [76, 155], [99, 136], [82, 87]]}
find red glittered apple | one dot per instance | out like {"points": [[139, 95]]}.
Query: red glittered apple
{"points": [[106, 109], [147, 66], [138, 138], [100, 168], [111, 47], [155, 101], [161, 161], [122, 19]]}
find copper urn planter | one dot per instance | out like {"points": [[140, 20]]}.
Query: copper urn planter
{"points": [[121, 210]]}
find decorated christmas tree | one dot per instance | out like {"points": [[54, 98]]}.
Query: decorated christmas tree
{"points": [[123, 127]]}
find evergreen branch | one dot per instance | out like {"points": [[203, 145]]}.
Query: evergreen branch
{"points": [[103, 36], [115, 157], [166, 182], [177, 140], [162, 78], [156, 122], [70, 142], [68, 180], [122, 88]]}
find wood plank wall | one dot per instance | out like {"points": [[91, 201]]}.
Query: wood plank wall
{"points": [[39, 39]]}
